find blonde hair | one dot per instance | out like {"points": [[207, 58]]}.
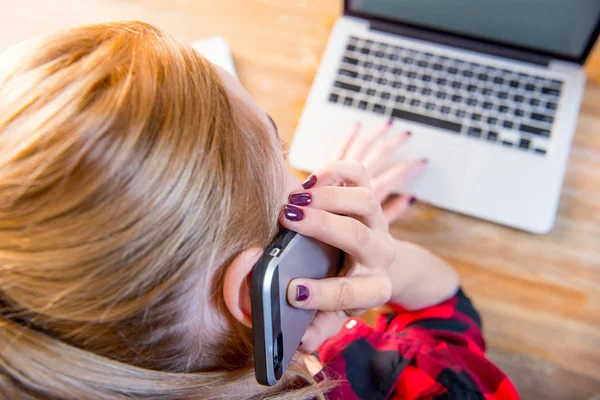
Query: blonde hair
{"points": [[128, 181]]}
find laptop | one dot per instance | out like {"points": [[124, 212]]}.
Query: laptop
{"points": [[490, 90]]}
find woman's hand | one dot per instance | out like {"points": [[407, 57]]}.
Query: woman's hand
{"points": [[376, 152], [342, 209]]}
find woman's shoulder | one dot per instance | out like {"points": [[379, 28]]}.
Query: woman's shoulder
{"points": [[435, 353]]}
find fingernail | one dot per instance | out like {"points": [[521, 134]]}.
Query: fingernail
{"points": [[293, 213], [425, 160], [390, 121], [310, 182], [301, 293], [300, 199], [409, 133], [412, 200]]}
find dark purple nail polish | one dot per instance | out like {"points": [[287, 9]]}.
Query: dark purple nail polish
{"points": [[293, 213], [300, 199], [301, 293], [409, 133], [310, 182], [412, 200]]}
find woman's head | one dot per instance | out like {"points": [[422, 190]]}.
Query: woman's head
{"points": [[137, 185]]}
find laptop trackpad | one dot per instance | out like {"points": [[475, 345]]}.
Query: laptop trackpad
{"points": [[443, 179]]}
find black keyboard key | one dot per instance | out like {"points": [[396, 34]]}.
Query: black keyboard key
{"points": [[397, 71], [456, 98], [556, 83], [367, 77], [476, 117], [514, 84], [542, 117], [524, 143], [378, 108], [441, 81], [347, 86], [499, 80], [368, 42], [483, 77], [475, 132], [519, 112], [492, 136], [370, 92], [350, 60], [503, 109], [487, 92], [411, 88], [347, 72], [411, 75], [445, 110], [438, 67], [461, 113], [551, 106], [426, 78], [534, 102], [368, 64], [472, 101], [382, 81], [508, 124], [518, 98], [426, 120], [415, 102], [503, 95], [362, 105], [422, 64], [379, 54], [492, 120], [456, 85], [382, 68], [426, 91], [351, 47], [534, 130], [487, 105], [466, 73], [393, 57], [396, 84], [408, 60], [530, 87], [540, 151], [400, 99], [452, 70], [429, 106], [385, 95], [333, 97], [441, 95], [471, 88], [365, 50], [507, 143], [348, 101], [550, 91]]}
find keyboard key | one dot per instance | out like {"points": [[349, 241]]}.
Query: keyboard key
{"points": [[471, 88], [367, 77], [456, 98], [385, 95], [445, 110], [333, 97], [519, 112], [540, 151], [441, 95], [518, 98], [350, 60], [422, 64], [503, 95], [466, 73], [514, 84], [415, 102], [379, 54], [524, 143], [400, 99], [396, 84], [362, 105], [382, 81], [441, 81], [411, 88], [411, 75], [461, 113], [348, 101], [426, 91], [472, 102], [550, 91], [534, 102], [503, 109], [487, 105], [551, 106], [426, 120], [483, 77], [507, 143], [475, 132], [508, 124], [534, 130], [365, 50], [476, 117], [382, 68], [368, 64], [347, 86], [368, 42], [492, 136], [397, 71], [426, 78], [378, 108], [347, 72], [541, 117], [530, 87], [351, 47], [492, 120], [429, 106], [393, 57], [452, 70], [408, 60], [438, 67], [487, 92], [556, 82], [499, 80], [456, 85], [370, 92]]}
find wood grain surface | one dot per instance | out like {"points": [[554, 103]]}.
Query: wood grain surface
{"points": [[539, 295]]}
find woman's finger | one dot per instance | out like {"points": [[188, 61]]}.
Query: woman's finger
{"points": [[351, 294], [355, 201], [360, 145], [379, 154], [395, 206], [345, 233], [348, 142], [350, 173], [323, 326], [391, 180]]}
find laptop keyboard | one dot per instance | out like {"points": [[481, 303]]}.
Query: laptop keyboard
{"points": [[479, 101]]}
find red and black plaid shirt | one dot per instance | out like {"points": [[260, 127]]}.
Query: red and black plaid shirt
{"points": [[434, 353]]}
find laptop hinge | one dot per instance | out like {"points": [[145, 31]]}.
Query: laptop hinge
{"points": [[466, 44]]}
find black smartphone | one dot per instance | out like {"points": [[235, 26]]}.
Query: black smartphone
{"points": [[277, 326]]}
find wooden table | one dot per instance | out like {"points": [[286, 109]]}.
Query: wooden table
{"points": [[539, 295]]}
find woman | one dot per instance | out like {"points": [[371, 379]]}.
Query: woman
{"points": [[138, 187]]}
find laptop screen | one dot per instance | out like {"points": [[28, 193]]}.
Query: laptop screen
{"points": [[560, 27]]}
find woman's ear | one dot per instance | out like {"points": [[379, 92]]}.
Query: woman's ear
{"points": [[236, 286]]}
